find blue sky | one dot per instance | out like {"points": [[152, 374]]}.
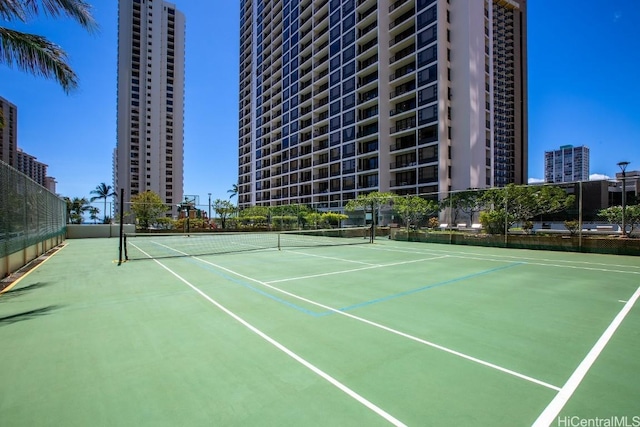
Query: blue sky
{"points": [[584, 88]]}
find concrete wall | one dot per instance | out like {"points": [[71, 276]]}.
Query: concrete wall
{"points": [[84, 231]]}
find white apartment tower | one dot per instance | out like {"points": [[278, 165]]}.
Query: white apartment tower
{"points": [[568, 164], [341, 97], [149, 152]]}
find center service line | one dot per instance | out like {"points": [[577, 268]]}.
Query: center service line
{"points": [[285, 350]]}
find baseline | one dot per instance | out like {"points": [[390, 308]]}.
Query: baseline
{"points": [[552, 410]]}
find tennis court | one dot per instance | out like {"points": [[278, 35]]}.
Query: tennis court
{"points": [[359, 334]]}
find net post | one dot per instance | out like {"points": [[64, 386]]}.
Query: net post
{"points": [[580, 217], [121, 237], [279, 247]]}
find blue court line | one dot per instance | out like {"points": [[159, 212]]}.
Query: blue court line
{"points": [[350, 307], [423, 288], [253, 288]]}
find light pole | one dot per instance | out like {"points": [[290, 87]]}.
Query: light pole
{"points": [[209, 217], [623, 168]]}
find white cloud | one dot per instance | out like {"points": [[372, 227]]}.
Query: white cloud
{"points": [[598, 177], [535, 181]]}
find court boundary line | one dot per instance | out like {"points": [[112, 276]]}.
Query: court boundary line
{"points": [[554, 407], [389, 329], [508, 256], [340, 386], [524, 260]]}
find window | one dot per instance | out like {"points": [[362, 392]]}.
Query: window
{"points": [[427, 36], [334, 93], [428, 114], [349, 117], [334, 63], [334, 108], [349, 53], [427, 75], [349, 101], [427, 94], [427, 56], [349, 69], [349, 85], [427, 17], [349, 133]]}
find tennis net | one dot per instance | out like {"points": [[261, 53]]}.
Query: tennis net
{"points": [[164, 245]]}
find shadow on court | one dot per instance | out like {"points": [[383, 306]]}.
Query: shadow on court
{"points": [[13, 293], [27, 315]]}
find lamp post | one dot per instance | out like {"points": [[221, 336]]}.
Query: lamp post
{"points": [[209, 217], [623, 168]]}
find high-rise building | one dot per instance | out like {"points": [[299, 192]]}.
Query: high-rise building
{"points": [[568, 164], [28, 165], [341, 97], [149, 153], [8, 132]]}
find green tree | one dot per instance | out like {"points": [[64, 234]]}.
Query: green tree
{"points": [[613, 215], [36, 54], [254, 215], [147, 207], [103, 191], [412, 209], [333, 218], [523, 203], [76, 207], [370, 202], [223, 209]]}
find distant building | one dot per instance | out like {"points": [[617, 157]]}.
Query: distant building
{"points": [[632, 185], [9, 132], [568, 164], [50, 183], [150, 127], [28, 165]]}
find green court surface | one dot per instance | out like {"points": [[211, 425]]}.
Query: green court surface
{"points": [[362, 335]]}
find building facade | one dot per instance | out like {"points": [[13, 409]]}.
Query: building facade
{"points": [[8, 132], [28, 165], [150, 147], [568, 164], [343, 97]]}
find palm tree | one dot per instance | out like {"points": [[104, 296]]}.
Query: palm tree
{"points": [[103, 191], [93, 212], [33, 53], [75, 208], [233, 191]]}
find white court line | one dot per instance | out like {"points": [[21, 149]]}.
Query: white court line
{"points": [[371, 266], [479, 257], [552, 410], [284, 349], [386, 328], [330, 257], [466, 254]]}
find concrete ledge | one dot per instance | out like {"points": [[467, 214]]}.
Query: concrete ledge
{"points": [[86, 231]]}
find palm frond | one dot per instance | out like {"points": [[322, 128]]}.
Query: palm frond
{"points": [[36, 55], [79, 10], [11, 10]]}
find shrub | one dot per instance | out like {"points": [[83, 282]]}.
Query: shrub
{"points": [[572, 226], [433, 223]]}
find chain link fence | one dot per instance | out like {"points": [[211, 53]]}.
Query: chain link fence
{"points": [[32, 219]]}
